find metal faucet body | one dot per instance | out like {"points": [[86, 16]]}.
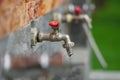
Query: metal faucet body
{"points": [[53, 37], [73, 13], [56, 36]]}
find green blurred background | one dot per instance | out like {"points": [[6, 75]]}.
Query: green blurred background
{"points": [[106, 30]]}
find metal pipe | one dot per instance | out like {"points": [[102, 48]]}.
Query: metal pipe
{"points": [[94, 46], [57, 37]]}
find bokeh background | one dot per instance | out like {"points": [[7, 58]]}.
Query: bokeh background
{"points": [[106, 30], [105, 20]]}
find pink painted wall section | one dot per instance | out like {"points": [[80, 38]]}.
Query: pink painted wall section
{"points": [[15, 14]]}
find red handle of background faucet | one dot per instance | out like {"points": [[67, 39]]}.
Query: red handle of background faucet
{"points": [[54, 24], [78, 10]]}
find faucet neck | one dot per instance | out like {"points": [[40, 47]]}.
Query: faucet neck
{"points": [[55, 30]]}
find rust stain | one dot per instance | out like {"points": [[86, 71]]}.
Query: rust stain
{"points": [[15, 14]]}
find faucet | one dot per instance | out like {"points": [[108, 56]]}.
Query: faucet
{"points": [[53, 37], [75, 13]]}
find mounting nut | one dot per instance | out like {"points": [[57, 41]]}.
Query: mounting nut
{"points": [[33, 36]]}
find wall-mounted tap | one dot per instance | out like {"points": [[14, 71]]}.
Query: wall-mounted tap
{"points": [[75, 13], [53, 37]]}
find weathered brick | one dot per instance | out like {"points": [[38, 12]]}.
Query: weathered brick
{"points": [[15, 14]]}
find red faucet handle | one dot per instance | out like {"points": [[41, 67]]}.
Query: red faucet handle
{"points": [[54, 24], [78, 10]]}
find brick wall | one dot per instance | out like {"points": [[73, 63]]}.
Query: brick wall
{"points": [[15, 14]]}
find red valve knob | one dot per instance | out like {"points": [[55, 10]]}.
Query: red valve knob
{"points": [[54, 24], [78, 10]]}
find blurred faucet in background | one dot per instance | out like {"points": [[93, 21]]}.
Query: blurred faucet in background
{"points": [[75, 13]]}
